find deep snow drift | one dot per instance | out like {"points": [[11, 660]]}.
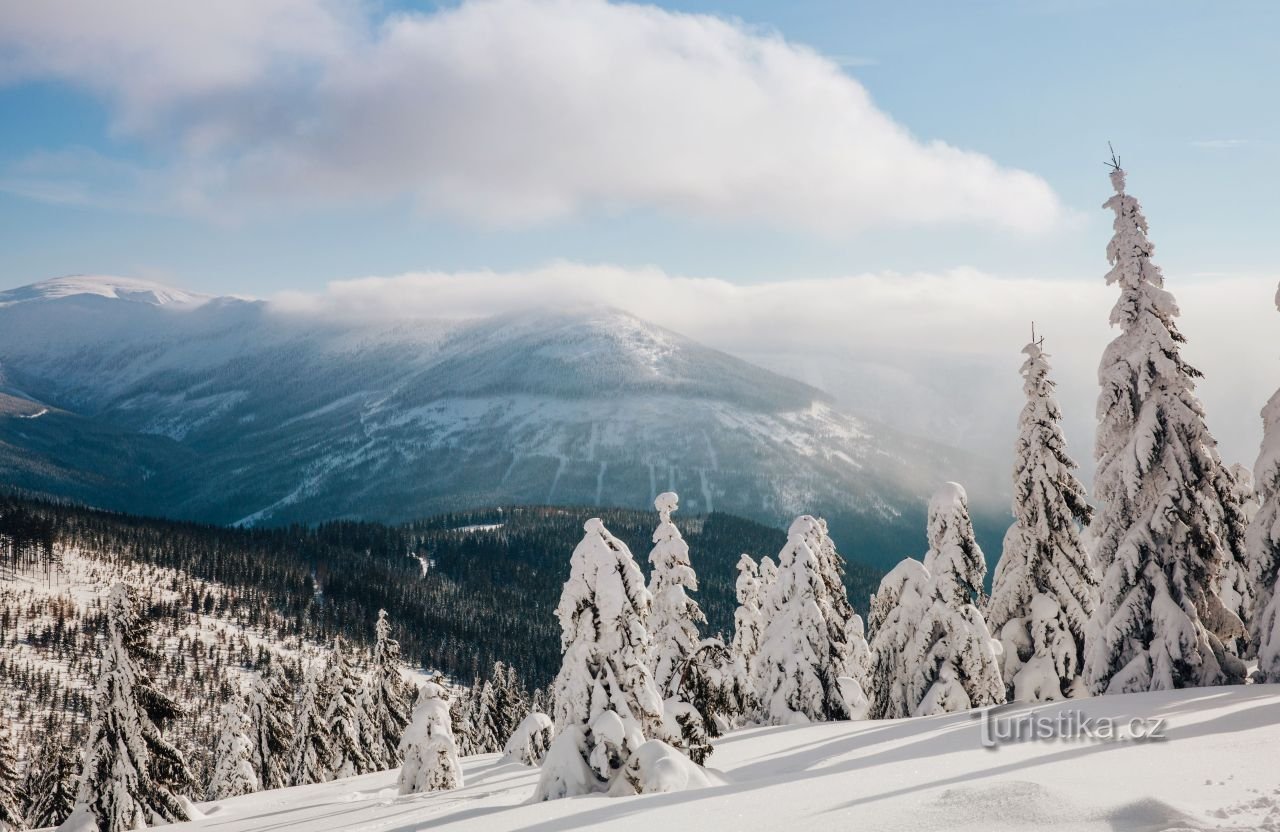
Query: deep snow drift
{"points": [[1216, 769]]}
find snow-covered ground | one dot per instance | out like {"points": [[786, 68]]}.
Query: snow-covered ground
{"points": [[1216, 769]]}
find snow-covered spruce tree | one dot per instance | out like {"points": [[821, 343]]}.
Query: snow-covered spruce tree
{"points": [[606, 704], [347, 754], [673, 630], [896, 610], [952, 662], [233, 772], [1264, 545], [386, 698], [427, 748], [796, 681], [1045, 584], [847, 642], [270, 724], [1166, 521], [312, 748], [117, 785], [1235, 585], [51, 791], [674, 619], [11, 815], [806, 608], [489, 726], [462, 716], [748, 627]]}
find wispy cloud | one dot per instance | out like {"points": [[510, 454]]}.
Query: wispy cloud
{"points": [[507, 112], [1219, 144]]}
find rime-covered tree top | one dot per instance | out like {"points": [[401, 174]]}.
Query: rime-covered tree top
{"points": [[673, 622], [954, 558]]}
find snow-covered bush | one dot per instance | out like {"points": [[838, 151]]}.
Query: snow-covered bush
{"points": [[427, 748], [1166, 519], [1045, 584], [896, 610], [528, 744], [657, 767]]}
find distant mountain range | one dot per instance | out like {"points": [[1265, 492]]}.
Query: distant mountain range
{"points": [[134, 396]]}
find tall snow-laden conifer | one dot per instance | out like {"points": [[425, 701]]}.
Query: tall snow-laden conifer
{"points": [[117, 785], [347, 755], [606, 704], [51, 794], [748, 627], [896, 610], [1264, 545], [797, 675], [1166, 519], [233, 772], [674, 620], [951, 660], [312, 747], [1045, 584], [270, 725], [386, 699], [11, 815], [427, 747]]}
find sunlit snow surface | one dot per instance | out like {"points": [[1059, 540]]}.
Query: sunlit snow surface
{"points": [[1216, 770]]}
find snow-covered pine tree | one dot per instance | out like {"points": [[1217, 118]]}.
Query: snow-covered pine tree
{"points": [[1264, 545], [233, 772], [748, 627], [312, 748], [1166, 521], [270, 724], [896, 611], [117, 788], [1045, 584], [462, 713], [796, 681], [952, 659], [489, 724], [51, 791], [168, 766], [347, 754], [673, 629], [1235, 586], [386, 698], [11, 814], [674, 619], [846, 635], [427, 748], [606, 703]]}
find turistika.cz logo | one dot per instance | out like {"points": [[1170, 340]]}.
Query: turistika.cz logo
{"points": [[999, 727]]}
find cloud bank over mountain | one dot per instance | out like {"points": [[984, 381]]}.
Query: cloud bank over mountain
{"points": [[493, 112]]}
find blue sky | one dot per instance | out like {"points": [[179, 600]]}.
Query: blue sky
{"points": [[98, 177]]}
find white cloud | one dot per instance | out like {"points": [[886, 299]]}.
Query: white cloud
{"points": [[932, 353], [509, 112]]}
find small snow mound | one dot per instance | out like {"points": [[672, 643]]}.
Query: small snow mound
{"points": [[1150, 813], [593, 526], [656, 767], [802, 525], [950, 495], [1028, 804], [667, 501]]}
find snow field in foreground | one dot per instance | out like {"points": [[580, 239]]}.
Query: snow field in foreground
{"points": [[1217, 769]]}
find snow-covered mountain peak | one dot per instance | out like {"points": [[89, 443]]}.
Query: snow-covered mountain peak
{"points": [[127, 289]]}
